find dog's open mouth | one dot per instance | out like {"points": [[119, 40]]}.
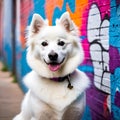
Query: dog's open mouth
{"points": [[54, 66]]}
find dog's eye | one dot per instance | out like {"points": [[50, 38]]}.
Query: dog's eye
{"points": [[44, 43], [61, 43]]}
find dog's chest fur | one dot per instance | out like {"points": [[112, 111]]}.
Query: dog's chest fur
{"points": [[56, 94]]}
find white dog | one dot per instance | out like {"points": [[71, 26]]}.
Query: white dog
{"points": [[56, 87]]}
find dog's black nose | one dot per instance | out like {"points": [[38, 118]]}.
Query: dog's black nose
{"points": [[53, 56]]}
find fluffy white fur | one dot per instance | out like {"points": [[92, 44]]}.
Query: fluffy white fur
{"points": [[48, 99]]}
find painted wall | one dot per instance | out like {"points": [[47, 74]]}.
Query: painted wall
{"points": [[23, 10], [7, 32], [114, 51], [99, 25]]}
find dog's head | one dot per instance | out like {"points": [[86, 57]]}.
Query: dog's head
{"points": [[54, 51]]}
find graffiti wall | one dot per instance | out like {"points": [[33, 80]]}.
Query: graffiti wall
{"points": [[7, 28], [115, 58], [99, 25]]}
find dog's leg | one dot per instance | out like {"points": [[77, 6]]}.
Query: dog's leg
{"points": [[25, 113], [75, 110]]}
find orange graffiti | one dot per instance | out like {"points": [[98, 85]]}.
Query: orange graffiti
{"points": [[77, 15], [80, 6], [50, 6]]}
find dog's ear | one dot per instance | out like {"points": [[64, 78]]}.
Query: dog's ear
{"points": [[37, 23], [66, 22]]}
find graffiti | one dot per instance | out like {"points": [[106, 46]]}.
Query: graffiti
{"points": [[75, 8], [115, 58], [98, 37]]}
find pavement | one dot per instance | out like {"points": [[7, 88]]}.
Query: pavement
{"points": [[10, 96]]}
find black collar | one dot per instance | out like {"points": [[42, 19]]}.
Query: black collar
{"points": [[61, 79]]}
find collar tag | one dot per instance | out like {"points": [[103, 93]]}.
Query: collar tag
{"points": [[61, 79], [69, 84]]}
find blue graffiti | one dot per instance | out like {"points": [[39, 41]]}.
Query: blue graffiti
{"points": [[115, 57]]}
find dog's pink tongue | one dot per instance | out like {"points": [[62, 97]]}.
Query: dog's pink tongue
{"points": [[54, 67]]}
